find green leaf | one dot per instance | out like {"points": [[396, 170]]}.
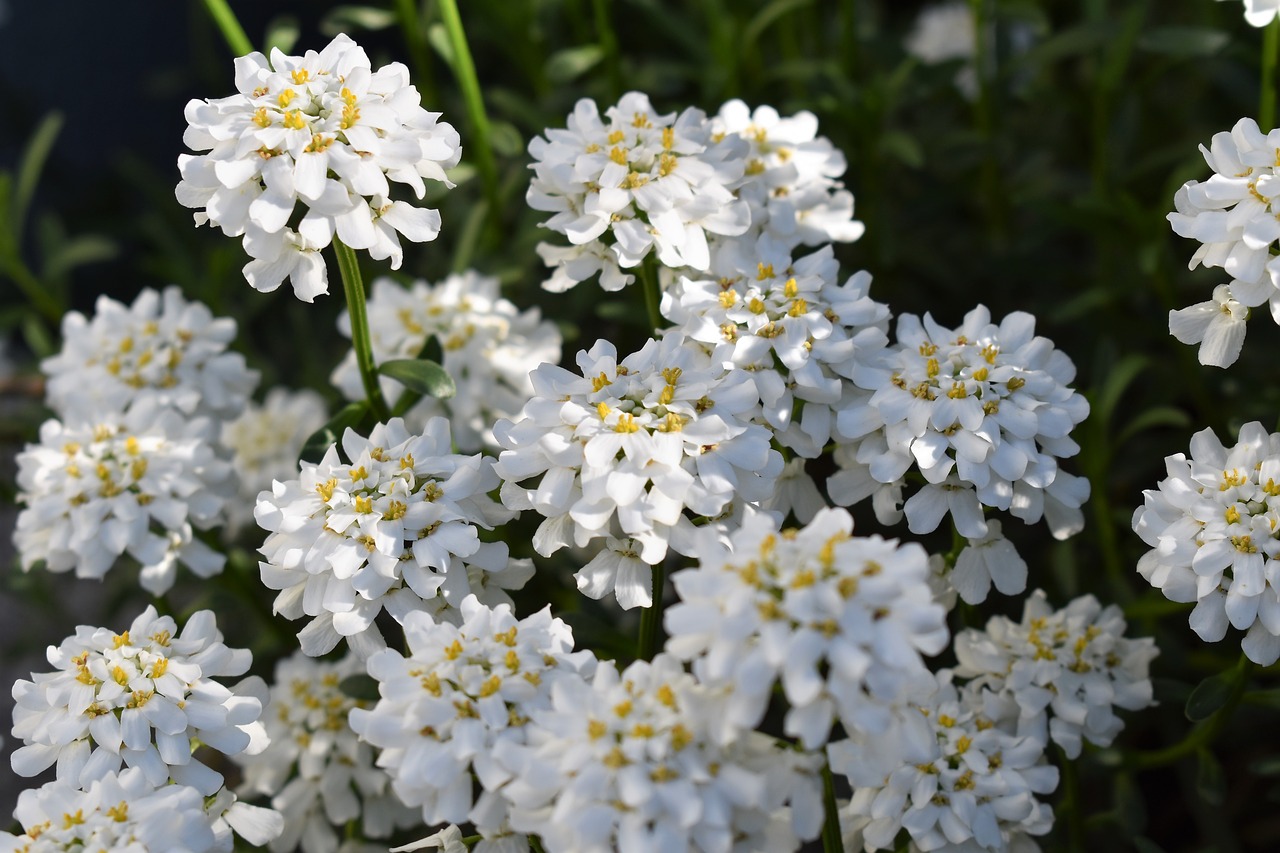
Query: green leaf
{"points": [[1269, 766], [1131, 810], [506, 140], [1119, 378], [439, 41], [1211, 781], [82, 250], [767, 17], [360, 686], [29, 170], [1160, 416], [282, 32], [1183, 42], [424, 377], [346, 18], [903, 147], [37, 337], [1266, 698], [319, 442], [1210, 695], [468, 239], [565, 66]]}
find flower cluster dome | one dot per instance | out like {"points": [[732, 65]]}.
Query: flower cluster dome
{"points": [[324, 133]]}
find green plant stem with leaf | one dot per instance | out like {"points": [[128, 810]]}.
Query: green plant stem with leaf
{"points": [[1205, 733], [1267, 96], [832, 837], [465, 70], [353, 287]]}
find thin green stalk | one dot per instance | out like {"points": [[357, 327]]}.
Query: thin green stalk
{"points": [[226, 20], [652, 295], [651, 617], [40, 297], [832, 837], [465, 70], [849, 39], [984, 115], [609, 44], [1071, 802], [353, 287], [415, 37], [1267, 102]]}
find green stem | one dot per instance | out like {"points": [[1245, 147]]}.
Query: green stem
{"points": [[465, 70], [849, 39], [1199, 737], [832, 837], [226, 20], [984, 114], [353, 287], [651, 617], [652, 295], [39, 295], [1267, 102], [415, 38], [608, 44], [1071, 802]]}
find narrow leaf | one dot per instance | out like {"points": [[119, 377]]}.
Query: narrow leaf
{"points": [[1210, 695], [318, 444], [424, 377], [361, 687]]}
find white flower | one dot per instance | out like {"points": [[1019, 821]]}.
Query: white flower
{"points": [[1259, 13], [628, 762], [983, 412], [319, 774], [636, 183], [948, 775], [459, 693], [796, 493], [394, 528], [618, 568], [1065, 670], [790, 180], [117, 812], [489, 347], [324, 130], [1212, 525], [141, 696], [265, 442], [450, 840], [947, 32], [623, 449], [132, 484], [988, 559], [160, 348], [1217, 325], [840, 621]]}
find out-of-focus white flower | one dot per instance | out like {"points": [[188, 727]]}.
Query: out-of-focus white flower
{"points": [[946, 32], [265, 442], [841, 621], [790, 180], [1259, 13], [628, 762], [948, 775], [395, 528], [160, 348], [142, 697], [623, 449], [117, 812], [458, 695], [134, 484], [635, 183], [318, 772], [489, 347], [983, 412], [1213, 526], [324, 130], [1217, 325], [796, 493], [1065, 670]]}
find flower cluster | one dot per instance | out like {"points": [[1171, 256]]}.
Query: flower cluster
{"points": [[1062, 670], [948, 775], [625, 447], [1212, 526], [634, 183], [132, 484], [325, 131], [319, 774], [489, 347], [840, 621], [983, 412], [394, 528], [142, 697], [629, 761], [458, 695]]}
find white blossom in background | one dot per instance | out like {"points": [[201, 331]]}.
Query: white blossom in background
{"points": [[624, 448], [1259, 13], [943, 33], [395, 528], [1213, 526], [317, 771], [840, 621], [140, 697], [1064, 670], [489, 347], [986, 560], [117, 812], [789, 325], [983, 412], [161, 347], [265, 442], [1218, 325], [791, 178], [628, 761], [137, 484], [632, 184], [459, 693], [948, 775], [322, 135]]}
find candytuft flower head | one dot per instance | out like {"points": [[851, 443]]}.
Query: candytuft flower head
{"points": [[1212, 525], [308, 149], [394, 528], [142, 697]]}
